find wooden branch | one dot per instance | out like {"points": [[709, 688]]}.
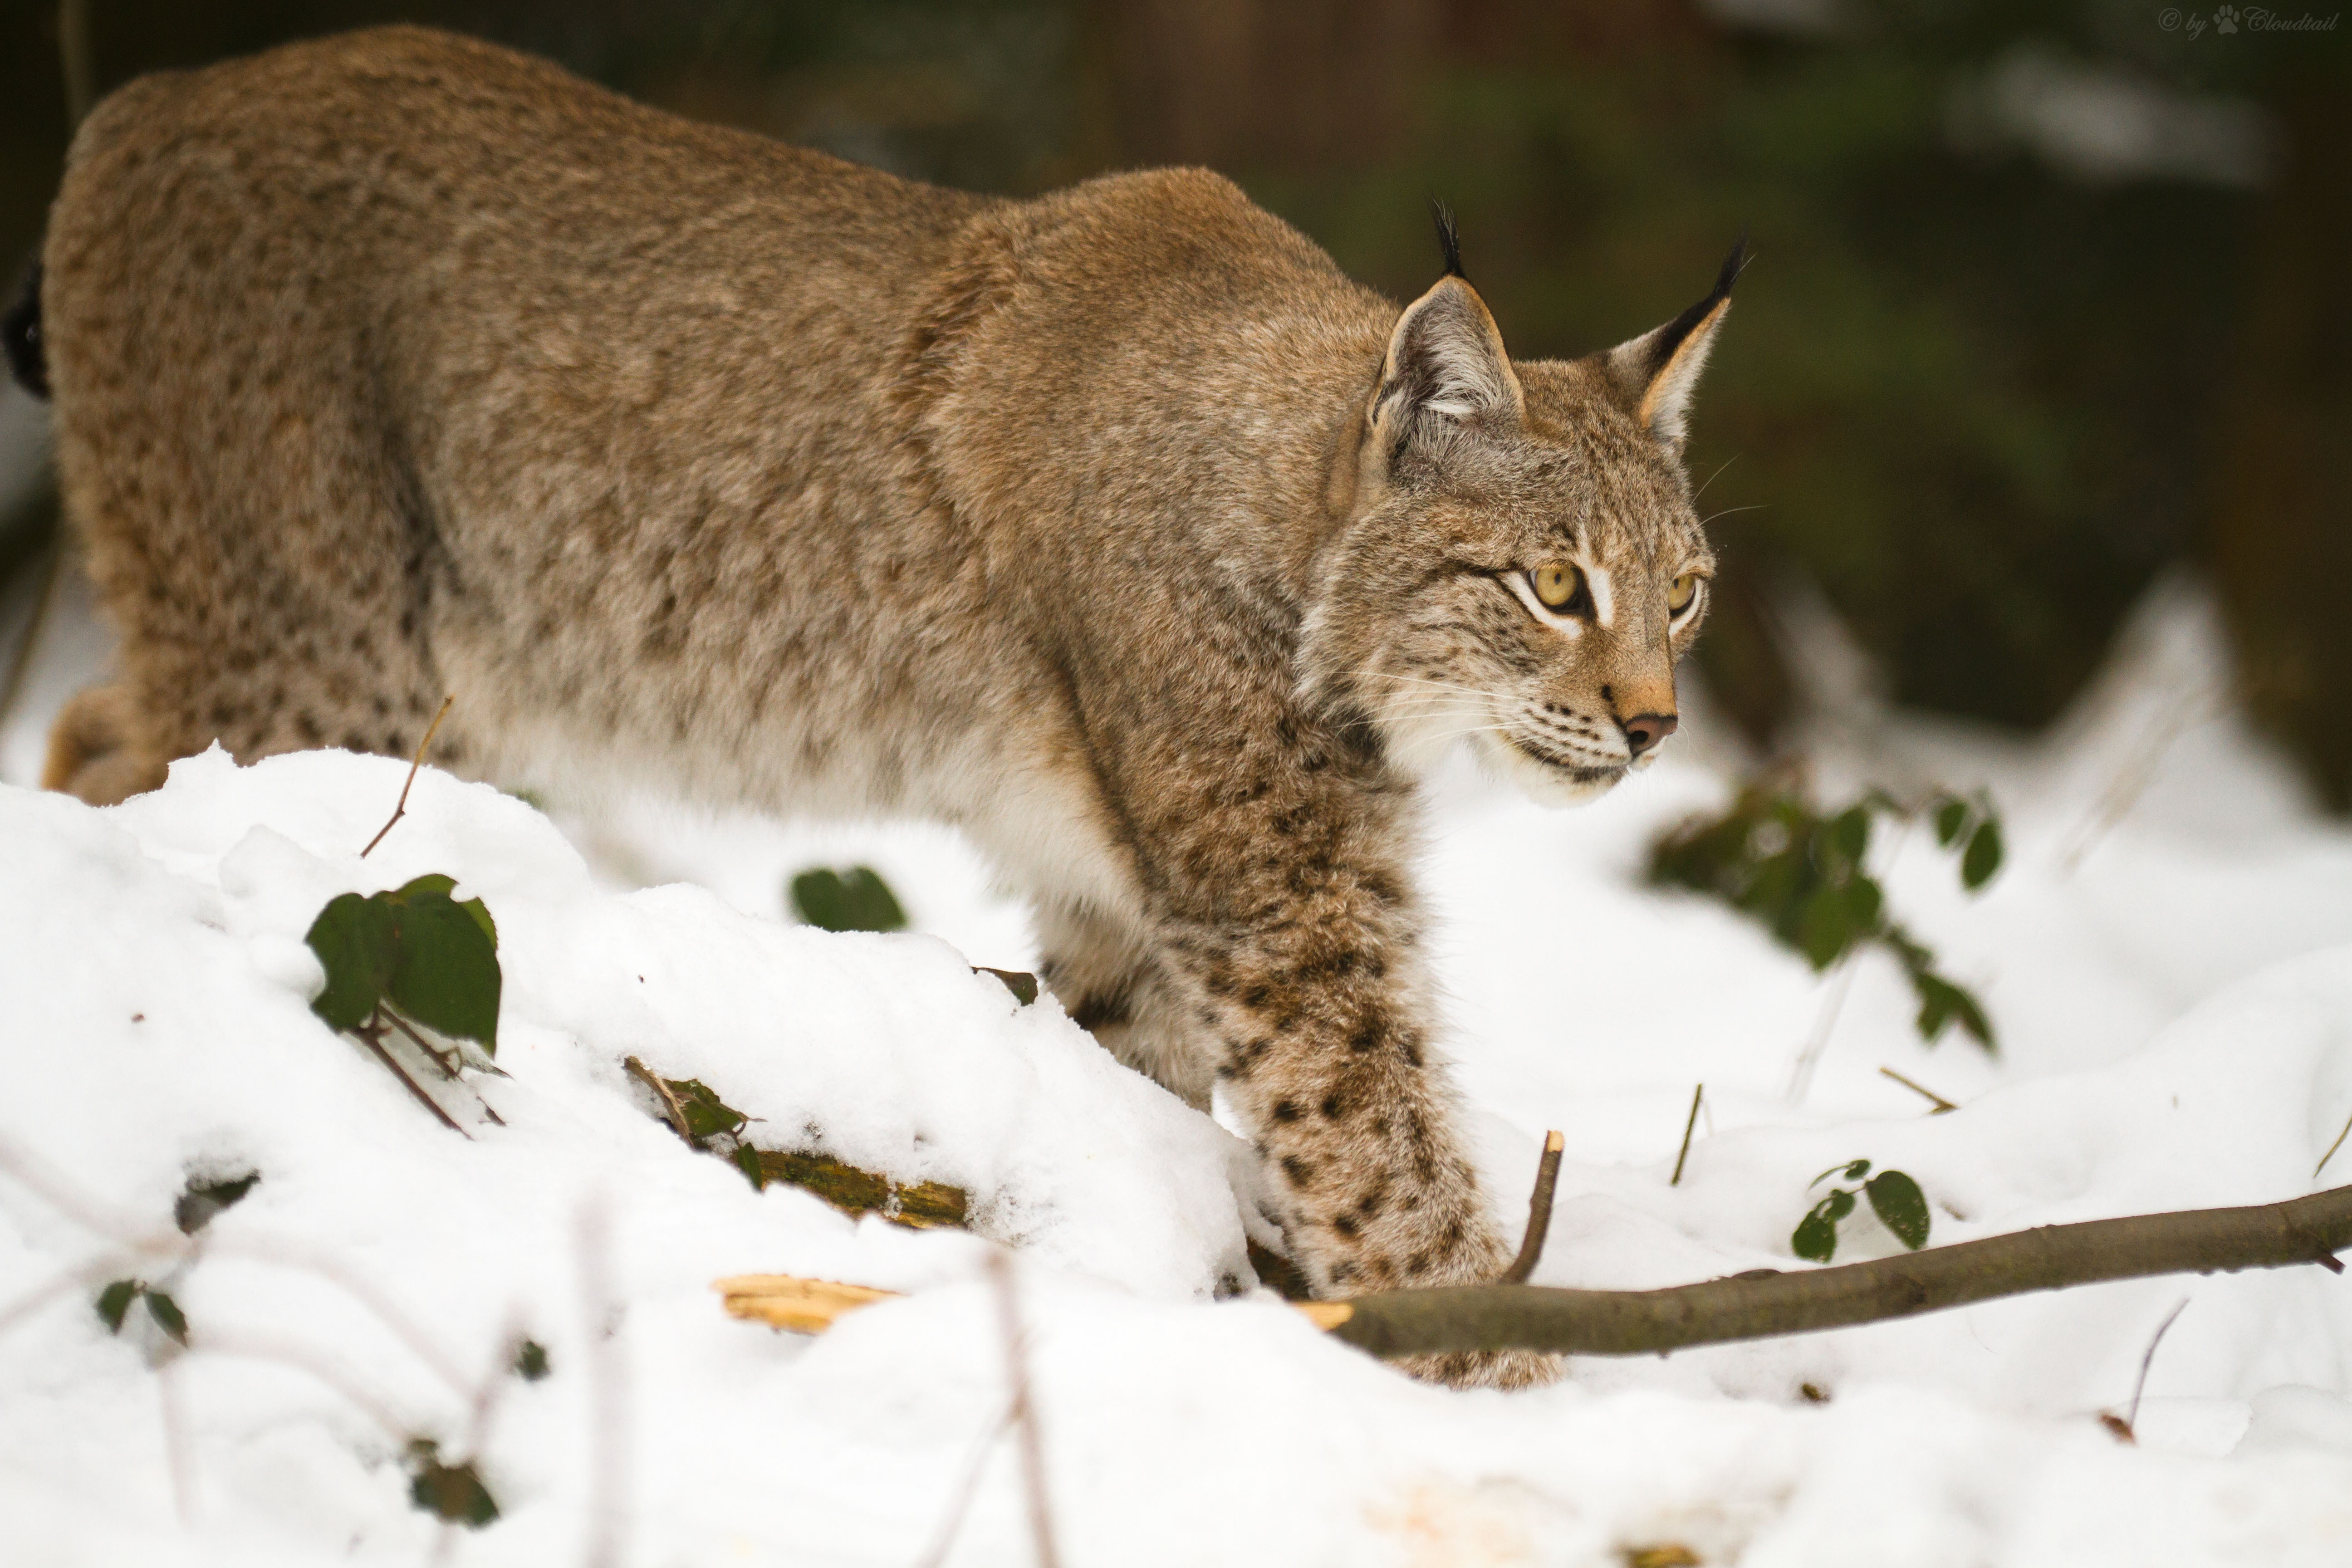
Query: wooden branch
{"points": [[1531, 1246], [677, 1112], [1768, 1302], [371, 1034], [1756, 1305], [400, 807], [1937, 1100], [1689, 1127]]}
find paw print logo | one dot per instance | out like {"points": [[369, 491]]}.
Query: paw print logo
{"points": [[2225, 20]]}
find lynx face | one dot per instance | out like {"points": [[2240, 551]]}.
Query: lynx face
{"points": [[1522, 566]]}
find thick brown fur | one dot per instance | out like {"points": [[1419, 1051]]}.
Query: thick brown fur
{"points": [[1116, 527]]}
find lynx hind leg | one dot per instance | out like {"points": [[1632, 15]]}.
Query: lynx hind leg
{"points": [[1113, 988], [100, 748]]}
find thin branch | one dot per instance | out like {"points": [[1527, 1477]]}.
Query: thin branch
{"points": [[176, 1455], [1801, 1080], [974, 1466], [439, 1058], [1024, 1412], [2331, 1149], [1688, 1128], [400, 808], [1767, 1302], [1531, 1246], [2131, 1421], [73, 58], [608, 1388], [652, 1080], [1941, 1104], [371, 1034]]}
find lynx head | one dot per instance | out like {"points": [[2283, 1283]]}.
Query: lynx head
{"points": [[1520, 562]]}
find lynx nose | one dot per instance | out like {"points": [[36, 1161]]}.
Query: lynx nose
{"points": [[1643, 730]]}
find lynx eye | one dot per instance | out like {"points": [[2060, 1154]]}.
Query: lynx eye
{"points": [[1560, 585], [1679, 596]]}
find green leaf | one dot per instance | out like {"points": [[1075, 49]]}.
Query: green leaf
{"points": [[1900, 1205], [707, 1115], [1815, 1237], [1839, 1204], [1022, 985], [115, 1300], [857, 899], [530, 1361], [353, 939], [446, 974], [1849, 834], [167, 1315], [1951, 815], [203, 1199], [747, 1160], [1825, 933], [454, 1492], [1942, 1002], [1864, 902], [1982, 857], [1855, 1171]]}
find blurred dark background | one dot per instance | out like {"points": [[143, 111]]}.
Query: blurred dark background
{"points": [[2048, 299]]}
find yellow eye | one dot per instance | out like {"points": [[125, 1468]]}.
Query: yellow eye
{"points": [[1679, 597], [1560, 585]]}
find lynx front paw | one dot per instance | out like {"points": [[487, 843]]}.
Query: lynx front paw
{"points": [[1486, 1369]]}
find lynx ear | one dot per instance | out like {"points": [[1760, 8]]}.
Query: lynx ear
{"points": [[1445, 370], [1658, 371]]}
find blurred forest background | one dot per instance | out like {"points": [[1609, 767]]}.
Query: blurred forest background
{"points": [[2048, 299]]}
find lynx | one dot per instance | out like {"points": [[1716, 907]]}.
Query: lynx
{"points": [[1117, 528]]}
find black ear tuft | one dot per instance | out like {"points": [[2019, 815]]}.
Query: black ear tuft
{"points": [[20, 336], [1449, 238], [1670, 337]]}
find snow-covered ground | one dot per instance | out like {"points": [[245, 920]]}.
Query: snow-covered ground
{"points": [[2168, 959]]}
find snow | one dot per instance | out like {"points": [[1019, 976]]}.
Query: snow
{"points": [[2168, 958]]}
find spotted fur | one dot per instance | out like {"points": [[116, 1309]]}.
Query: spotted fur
{"points": [[1115, 527]]}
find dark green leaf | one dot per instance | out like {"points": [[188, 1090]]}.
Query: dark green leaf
{"points": [[1900, 1205], [707, 1115], [1983, 856], [115, 1300], [353, 939], [1825, 933], [530, 1361], [747, 1160], [1838, 1204], [1815, 1237], [1022, 985], [1863, 903], [1951, 815], [454, 1492], [1942, 1002], [203, 1199], [167, 1315], [857, 899], [1855, 1170], [446, 975], [1849, 834]]}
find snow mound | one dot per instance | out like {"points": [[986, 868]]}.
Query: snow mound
{"points": [[156, 1027]]}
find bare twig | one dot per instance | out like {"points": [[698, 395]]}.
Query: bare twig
{"points": [[960, 1503], [371, 1034], [607, 1386], [653, 1080], [73, 56], [400, 808], [1531, 1246], [447, 1062], [2331, 1149], [1024, 1412], [214, 1340], [2131, 1421], [176, 1456], [1941, 1104], [1688, 1128], [1801, 1079]]}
